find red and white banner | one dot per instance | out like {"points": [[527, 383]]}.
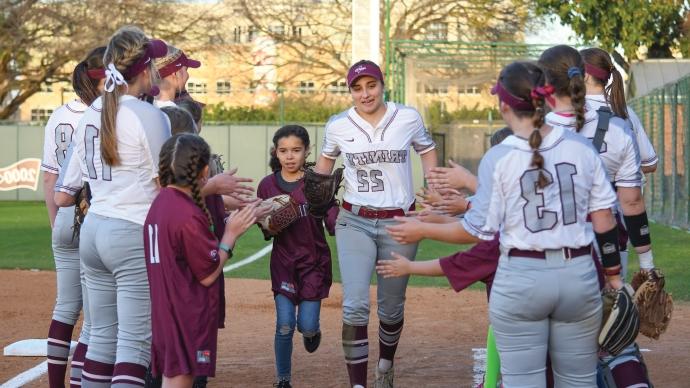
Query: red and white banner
{"points": [[20, 175]]}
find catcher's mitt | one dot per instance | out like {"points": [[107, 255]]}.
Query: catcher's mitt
{"points": [[284, 211], [320, 190], [653, 302], [81, 207], [621, 320], [215, 165]]}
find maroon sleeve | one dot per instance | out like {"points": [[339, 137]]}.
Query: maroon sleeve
{"points": [[199, 247], [478, 263], [263, 191], [331, 217]]}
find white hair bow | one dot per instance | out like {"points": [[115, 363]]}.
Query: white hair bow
{"points": [[113, 78]]}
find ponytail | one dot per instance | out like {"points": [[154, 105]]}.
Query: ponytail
{"points": [[85, 85], [615, 95], [599, 66], [577, 98], [564, 70]]}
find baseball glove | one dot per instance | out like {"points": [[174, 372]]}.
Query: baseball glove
{"points": [[82, 203], [621, 320], [653, 302], [215, 165], [320, 189], [284, 211]]}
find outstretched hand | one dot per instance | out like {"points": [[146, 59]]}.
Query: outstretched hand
{"points": [[407, 231], [453, 177], [228, 184], [241, 220], [398, 266]]}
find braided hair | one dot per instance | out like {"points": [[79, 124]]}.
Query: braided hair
{"points": [[565, 71], [182, 159], [522, 79]]}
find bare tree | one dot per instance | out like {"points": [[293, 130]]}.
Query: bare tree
{"points": [[40, 39], [314, 38]]}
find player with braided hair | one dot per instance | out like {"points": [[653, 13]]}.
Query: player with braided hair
{"points": [[87, 81], [184, 262], [545, 295]]}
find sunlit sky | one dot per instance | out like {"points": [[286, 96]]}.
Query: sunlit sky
{"points": [[551, 32]]}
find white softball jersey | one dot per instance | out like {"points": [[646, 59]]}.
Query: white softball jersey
{"points": [[532, 218], [618, 151], [648, 155], [127, 190], [59, 132], [378, 171]]}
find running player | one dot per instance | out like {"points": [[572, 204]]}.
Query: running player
{"points": [[87, 81], [374, 137], [301, 259], [538, 188]]}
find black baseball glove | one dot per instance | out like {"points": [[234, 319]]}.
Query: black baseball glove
{"points": [[320, 189], [621, 320]]}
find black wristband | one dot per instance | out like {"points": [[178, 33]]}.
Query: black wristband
{"points": [[608, 248], [638, 229]]}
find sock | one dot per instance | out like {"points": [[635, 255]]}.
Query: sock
{"points": [[356, 348], [128, 374], [97, 374], [59, 340], [77, 365], [389, 335]]}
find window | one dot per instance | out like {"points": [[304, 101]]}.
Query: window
{"points": [[40, 114], [470, 90], [251, 33], [277, 29], [196, 87], [237, 35], [296, 32], [338, 87], [437, 31], [436, 89], [306, 87], [223, 87], [46, 87]]}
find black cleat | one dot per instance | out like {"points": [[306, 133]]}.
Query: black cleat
{"points": [[200, 382], [282, 384], [312, 343]]}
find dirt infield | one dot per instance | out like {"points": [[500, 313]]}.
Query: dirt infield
{"points": [[441, 329]]}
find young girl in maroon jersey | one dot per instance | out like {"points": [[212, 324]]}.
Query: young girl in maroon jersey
{"points": [[301, 259], [184, 261]]}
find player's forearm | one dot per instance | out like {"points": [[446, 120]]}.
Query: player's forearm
{"points": [[324, 165], [429, 161], [452, 233], [48, 193], [223, 256], [426, 268]]}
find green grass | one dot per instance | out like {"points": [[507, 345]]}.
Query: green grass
{"points": [[25, 244]]}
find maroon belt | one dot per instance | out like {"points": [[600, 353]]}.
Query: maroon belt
{"points": [[569, 253], [368, 212]]}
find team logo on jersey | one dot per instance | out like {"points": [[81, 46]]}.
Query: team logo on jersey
{"points": [[213, 254], [203, 356], [379, 156], [20, 175]]}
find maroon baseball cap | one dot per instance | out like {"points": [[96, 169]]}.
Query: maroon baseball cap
{"points": [[361, 69], [154, 49], [174, 61]]}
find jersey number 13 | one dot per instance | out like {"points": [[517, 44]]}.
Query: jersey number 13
{"points": [[537, 219]]}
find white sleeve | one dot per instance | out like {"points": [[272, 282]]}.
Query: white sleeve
{"points": [[70, 179], [154, 133], [49, 162], [648, 155], [330, 147], [486, 214], [602, 195], [422, 142], [629, 174]]}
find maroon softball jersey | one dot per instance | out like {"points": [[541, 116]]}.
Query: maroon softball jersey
{"points": [[301, 258], [181, 250], [476, 264]]}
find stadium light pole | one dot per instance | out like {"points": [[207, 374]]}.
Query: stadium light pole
{"points": [[387, 45]]}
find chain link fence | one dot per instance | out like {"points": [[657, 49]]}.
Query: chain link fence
{"points": [[665, 115]]}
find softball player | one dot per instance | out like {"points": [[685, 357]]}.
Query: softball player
{"points": [[538, 187], [117, 144], [87, 81], [173, 72], [301, 259], [374, 137]]}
